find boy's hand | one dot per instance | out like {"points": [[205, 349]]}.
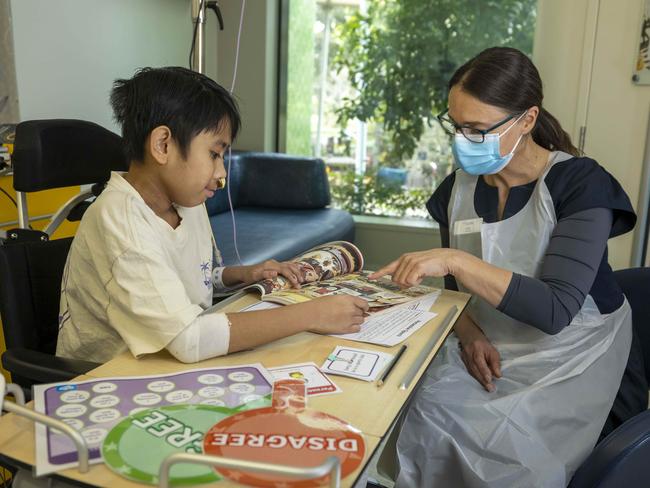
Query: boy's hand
{"points": [[338, 314], [271, 269]]}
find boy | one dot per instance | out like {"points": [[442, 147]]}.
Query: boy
{"points": [[140, 270]]}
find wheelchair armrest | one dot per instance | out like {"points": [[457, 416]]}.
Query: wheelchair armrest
{"points": [[43, 368]]}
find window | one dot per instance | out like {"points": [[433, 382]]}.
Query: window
{"points": [[364, 79]]}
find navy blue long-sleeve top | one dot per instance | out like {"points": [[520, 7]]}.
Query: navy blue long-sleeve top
{"points": [[590, 207]]}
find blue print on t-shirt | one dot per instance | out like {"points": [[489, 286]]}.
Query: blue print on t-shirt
{"points": [[207, 279]]}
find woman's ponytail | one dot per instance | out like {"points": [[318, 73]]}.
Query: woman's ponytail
{"points": [[549, 134], [506, 78]]}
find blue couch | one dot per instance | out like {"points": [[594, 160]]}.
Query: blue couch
{"points": [[281, 208]]}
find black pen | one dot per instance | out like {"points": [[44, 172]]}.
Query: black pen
{"points": [[390, 367]]}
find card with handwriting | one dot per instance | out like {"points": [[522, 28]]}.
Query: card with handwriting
{"points": [[362, 364]]}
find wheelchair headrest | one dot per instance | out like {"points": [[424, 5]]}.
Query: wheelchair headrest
{"points": [[64, 152]]}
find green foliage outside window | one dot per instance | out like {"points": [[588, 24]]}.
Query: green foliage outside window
{"points": [[366, 194], [401, 54]]}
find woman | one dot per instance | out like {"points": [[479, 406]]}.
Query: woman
{"points": [[519, 395]]}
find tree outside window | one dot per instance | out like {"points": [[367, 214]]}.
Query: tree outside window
{"points": [[365, 80]]}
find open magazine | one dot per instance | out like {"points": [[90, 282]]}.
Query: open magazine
{"points": [[336, 268]]}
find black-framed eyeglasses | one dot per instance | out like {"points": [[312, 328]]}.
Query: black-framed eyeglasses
{"points": [[472, 134]]}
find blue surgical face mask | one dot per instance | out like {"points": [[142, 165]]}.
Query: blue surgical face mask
{"points": [[482, 158]]}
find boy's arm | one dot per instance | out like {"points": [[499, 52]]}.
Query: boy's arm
{"points": [[326, 315], [217, 334], [218, 285], [206, 337], [233, 276]]}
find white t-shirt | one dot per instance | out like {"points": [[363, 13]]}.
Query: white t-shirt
{"points": [[132, 281]]}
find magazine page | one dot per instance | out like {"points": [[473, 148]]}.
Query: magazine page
{"points": [[319, 263], [380, 294]]}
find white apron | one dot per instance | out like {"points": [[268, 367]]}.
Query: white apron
{"points": [[555, 392]]}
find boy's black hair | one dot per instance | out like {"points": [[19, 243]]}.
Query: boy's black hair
{"points": [[185, 101]]}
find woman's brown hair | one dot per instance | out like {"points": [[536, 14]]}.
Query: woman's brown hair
{"points": [[506, 78]]}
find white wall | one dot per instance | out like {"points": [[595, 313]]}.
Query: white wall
{"points": [[558, 47], [581, 39], [617, 120], [8, 108], [68, 52], [256, 82], [383, 241]]}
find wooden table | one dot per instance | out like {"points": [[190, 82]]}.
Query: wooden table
{"points": [[365, 406]]}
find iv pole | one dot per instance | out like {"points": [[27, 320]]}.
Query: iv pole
{"points": [[198, 20]]}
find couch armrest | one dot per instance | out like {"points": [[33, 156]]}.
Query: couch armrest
{"points": [[43, 368], [275, 180], [621, 459]]}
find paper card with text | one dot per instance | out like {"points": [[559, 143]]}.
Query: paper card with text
{"points": [[317, 382], [362, 364]]}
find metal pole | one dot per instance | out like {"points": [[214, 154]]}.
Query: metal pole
{"points": [[331, 465], [361, 152], [198, 18], [77, 438], [23, 215], [17, 392], [639, 247], [324, 63], [410, 374], [62, 213]]}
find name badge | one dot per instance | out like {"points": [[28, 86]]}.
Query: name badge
{"points": [[469, 226]]}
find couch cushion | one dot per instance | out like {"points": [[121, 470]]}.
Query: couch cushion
{"points": [[281, 181], [273, 180], [278, 234]]}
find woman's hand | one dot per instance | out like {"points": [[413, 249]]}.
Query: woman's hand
{"points": [[481, 358], [409, 269], [479, 277]]}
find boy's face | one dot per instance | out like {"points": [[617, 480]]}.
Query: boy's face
{"points": [[191, 181]]}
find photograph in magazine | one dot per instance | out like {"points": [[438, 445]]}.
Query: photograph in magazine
{"points": [[336, 268]]}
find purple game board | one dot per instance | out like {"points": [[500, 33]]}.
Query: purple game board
{"points": [[94, 407]]}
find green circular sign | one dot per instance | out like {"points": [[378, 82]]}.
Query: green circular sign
{"points": [[136, 447]]}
